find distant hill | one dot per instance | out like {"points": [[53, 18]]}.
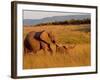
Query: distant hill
{"points": [[54, 19]]}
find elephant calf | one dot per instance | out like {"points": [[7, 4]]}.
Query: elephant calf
{"points": [[64, 48]]}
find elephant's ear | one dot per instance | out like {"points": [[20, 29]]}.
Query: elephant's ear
{"points": [[44, 36]]}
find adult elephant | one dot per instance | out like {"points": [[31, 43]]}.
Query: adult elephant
{"points": [[35, 41]]}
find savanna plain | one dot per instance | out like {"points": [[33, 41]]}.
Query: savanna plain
{"points": [[78, 35]]}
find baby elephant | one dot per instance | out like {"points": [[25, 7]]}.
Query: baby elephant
{"points": [[35, 41], [64, 48]]}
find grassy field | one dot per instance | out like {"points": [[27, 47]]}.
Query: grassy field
{"points": [[65, 34]]}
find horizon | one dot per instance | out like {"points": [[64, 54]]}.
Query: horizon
{"points": [[44, 14]]}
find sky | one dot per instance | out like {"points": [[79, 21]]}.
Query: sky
{"points": [[42, 14]]}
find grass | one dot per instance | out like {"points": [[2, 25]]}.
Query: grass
{"points": [[65, 34]]}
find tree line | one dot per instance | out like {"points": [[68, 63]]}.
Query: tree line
{"points": [[67, 22]]}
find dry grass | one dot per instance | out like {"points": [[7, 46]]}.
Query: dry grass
{"points": [[73, 34]]}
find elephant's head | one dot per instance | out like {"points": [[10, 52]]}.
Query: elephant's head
{"points": [[52, 37], [47, 37]]}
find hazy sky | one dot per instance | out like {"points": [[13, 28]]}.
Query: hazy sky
{"points": [[42, 14]]}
